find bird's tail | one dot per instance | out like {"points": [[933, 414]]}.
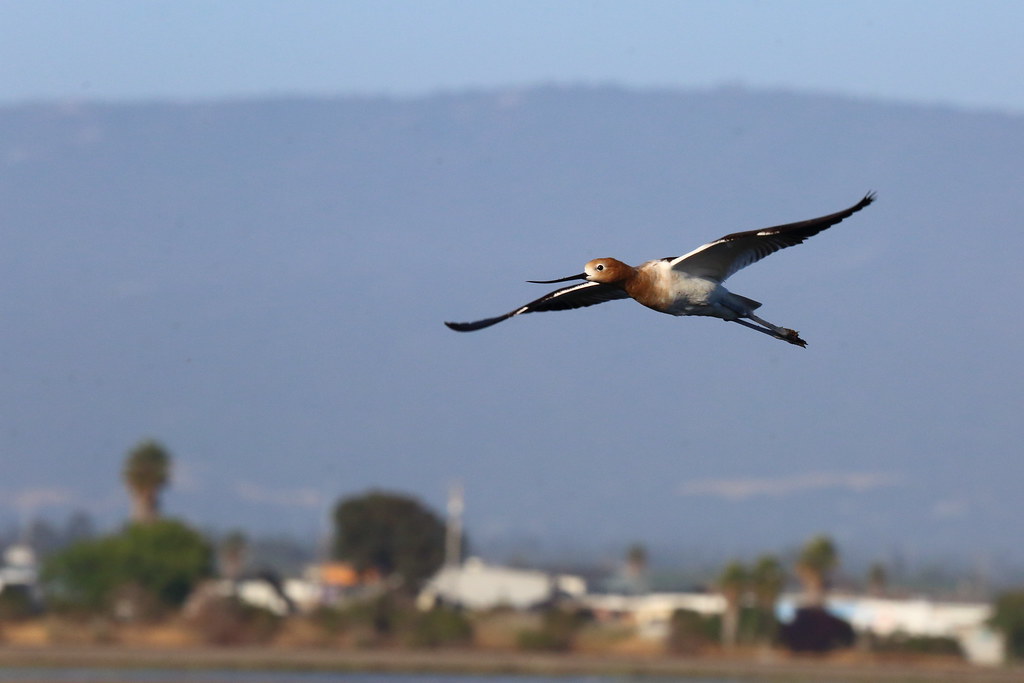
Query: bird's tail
{"points": [[748, 302]]}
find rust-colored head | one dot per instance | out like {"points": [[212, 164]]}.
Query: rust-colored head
{"points": [[607, 270]]}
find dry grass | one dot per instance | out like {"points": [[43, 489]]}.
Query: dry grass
{"points": [[302, 643]]}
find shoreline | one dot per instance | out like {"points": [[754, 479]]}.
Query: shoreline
{"points": [[480, 662]]}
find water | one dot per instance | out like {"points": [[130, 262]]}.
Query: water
{"points": [[72, 675]]}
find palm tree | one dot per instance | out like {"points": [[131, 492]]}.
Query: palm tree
{"points": [[146, 472], [817, 560], [878, 580], [766, 580], [636, 568], [636, 559], [732, 583], [232, 552]]}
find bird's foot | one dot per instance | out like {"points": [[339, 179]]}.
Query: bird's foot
{"points": [[792, 336]]}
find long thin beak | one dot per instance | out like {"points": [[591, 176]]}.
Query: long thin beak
{"points": [[581, 276]]}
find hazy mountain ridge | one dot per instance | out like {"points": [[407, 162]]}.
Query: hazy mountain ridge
{"points": [[261, 285]]}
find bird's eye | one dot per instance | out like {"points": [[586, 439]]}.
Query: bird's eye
{"points": [[599, 266]]}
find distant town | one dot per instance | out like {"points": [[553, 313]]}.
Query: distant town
{"points": [[398, 574]]}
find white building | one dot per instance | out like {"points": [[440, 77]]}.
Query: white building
{"points": [[287, 597], [476, 585], [964, 622], [651, 613], [19, 567]]}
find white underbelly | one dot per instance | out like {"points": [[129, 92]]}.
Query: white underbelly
{"points": [[697, 296], [675, 293]]}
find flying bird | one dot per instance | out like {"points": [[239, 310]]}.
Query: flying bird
{"points": [[690, 284]]}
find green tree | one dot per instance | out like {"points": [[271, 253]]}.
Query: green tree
{"points": [[394, 534], [147, 470], [1008, 617], [732, 583], [162, 561], [817, 560], [767, 579]]}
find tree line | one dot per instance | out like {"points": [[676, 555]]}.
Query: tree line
{"points": [[152, 565], [161, 560]]}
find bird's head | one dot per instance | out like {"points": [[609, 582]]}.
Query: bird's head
{"points": [[604, 270]]}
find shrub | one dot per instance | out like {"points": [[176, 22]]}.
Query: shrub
{"points": [[690, 632], [814, 629], [918, 645], [331, 620], [17, 603], [385, 615], [1009, 619], [556, 633], [230, 621], [441, 626], [378, 620]]}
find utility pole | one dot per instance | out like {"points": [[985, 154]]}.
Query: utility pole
{"points": [[453, 527]]}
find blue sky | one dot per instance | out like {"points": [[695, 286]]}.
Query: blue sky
{"points": [[943, 51], [905, 407]]}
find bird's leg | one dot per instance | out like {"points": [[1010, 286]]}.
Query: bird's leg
{"points": [[783, 333], [753, 327]]}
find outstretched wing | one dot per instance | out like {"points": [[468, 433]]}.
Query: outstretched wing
{"points": [[719, 259], [573, 296]]}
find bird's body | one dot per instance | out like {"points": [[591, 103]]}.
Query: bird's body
{"points": [[685, 285], [657, 285]]}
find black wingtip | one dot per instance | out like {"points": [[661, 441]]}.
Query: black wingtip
{"points": [[478, 325]]}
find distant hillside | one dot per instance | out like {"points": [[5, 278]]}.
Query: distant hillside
{"points": [[261, 286]]}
